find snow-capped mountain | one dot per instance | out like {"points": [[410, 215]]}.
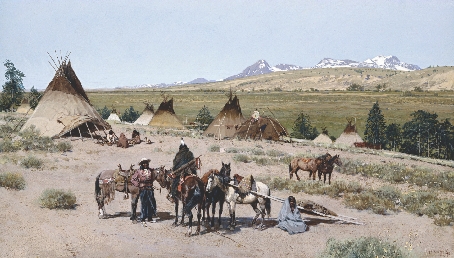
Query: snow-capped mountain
{"points": [[388, 62], [384, 62], [285, 67], [262, 67], [330, 63]]}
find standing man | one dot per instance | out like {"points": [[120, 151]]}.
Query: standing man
{"points": [[143, 178]]}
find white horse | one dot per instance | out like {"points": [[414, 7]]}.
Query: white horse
{"points": [[232, 197]]}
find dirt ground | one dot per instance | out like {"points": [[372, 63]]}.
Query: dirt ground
{"points": [[31, 231]]}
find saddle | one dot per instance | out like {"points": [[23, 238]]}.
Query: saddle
{"points": [[182, 179]]}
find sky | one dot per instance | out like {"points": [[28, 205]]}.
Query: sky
{"points": [[119, 43]]}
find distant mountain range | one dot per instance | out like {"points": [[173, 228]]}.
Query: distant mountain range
{"points": [[262, 67]]}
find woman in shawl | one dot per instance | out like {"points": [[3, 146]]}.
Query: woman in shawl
{"points": [[290, 218]]}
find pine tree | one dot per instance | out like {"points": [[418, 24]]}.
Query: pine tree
{"points": [[303, 129], [375, 126], [130, 115], [104, 112], [34, 98], [13, 89], [393, 135], [205, 118], [419, 135]]}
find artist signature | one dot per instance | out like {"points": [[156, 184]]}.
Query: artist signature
{"points": [[438, 253]]}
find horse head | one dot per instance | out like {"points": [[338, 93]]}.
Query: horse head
{"points": [[225, 170], [337, 160], [213, 181], [162, 177]]}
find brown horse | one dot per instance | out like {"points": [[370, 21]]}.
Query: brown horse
{"points": [[306, 164], [191, 193], [327, 167], [216, 195], [109, 181]]}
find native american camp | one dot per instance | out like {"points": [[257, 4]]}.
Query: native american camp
{"points": [[64, 109]]}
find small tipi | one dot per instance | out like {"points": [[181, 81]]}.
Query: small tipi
{"points": [[24, 107], [230, 117], [261, 127], [165, 116], [323, 137], [64, 109], [146, 116], [113, 117], [349, 136]]}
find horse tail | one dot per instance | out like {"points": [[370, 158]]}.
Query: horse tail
{"points": [[268, 204], [97, 187], [290, 167]]}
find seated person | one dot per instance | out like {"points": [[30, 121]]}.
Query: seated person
{"points": [[290, 218]]}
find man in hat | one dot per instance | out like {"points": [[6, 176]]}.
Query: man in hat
{"points": [[143, 178]]}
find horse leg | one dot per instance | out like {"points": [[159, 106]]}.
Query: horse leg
{"points": [[221, 204], [257, 213], [189, 233], [329, 178], [324, 177], [183, 204], [198, 218], [134, 200], [213, 210], [232, 222], [176, 213], [296, 174]]}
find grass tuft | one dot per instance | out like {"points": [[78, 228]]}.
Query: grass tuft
{"points": [[57, 199], [12, 181], [32, 162], [361, 247]]}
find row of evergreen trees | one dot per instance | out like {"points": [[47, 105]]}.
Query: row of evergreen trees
{"points": [[423, 135]]}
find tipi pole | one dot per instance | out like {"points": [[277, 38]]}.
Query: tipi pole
{"points": [[80, 134], [89, 130]]}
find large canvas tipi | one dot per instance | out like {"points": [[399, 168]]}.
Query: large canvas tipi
{"points": [[165, 116], [349, 136], [224, 124], [64, 109], [146, 116], [261, 127]]}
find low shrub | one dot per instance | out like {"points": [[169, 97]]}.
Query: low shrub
{"points": [[214, 148], [57, 199], [64, 146], [415, 202], [12, 181], [361, 247], [241, 158], [232, 150], [32, 162]]}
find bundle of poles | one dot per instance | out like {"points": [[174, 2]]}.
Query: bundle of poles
{"points": [[341, 218]]}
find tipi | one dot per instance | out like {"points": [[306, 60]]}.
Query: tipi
{"points": [[113, 117], [349, 136], [230, 117], [323, 137], [64, 109], [261, 127], [165, 116], [146, 116], [24, 107]]}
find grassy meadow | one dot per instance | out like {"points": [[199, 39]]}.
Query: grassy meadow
{"points": [[326, 108]]}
